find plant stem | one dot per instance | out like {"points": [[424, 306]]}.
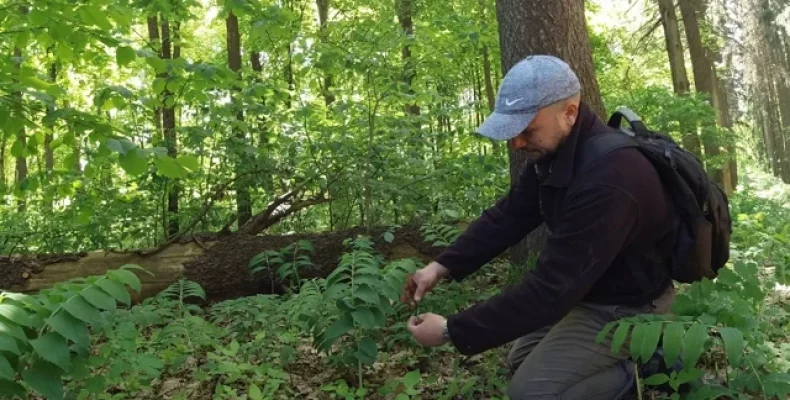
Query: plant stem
{"points": [[757, 375], [638, 382]]}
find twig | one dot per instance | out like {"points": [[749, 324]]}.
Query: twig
{"points": [[203, 212]]}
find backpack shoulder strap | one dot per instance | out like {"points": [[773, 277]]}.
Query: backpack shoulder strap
{"points": [[602, 144]]}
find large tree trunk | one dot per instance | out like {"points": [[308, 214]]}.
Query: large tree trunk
{"points": [[169, 131], [677, 65], [21, 161], [153, 37], [557, 28], [405, 12], [693, 12], [323, 16], [243, 201], [677, 62]]}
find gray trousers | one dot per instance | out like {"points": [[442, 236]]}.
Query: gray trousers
{"points": [[564, 362]]}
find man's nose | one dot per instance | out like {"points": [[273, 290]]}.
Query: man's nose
{"points": [[518, 142]]}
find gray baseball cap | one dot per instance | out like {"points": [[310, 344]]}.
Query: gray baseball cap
{"points": [[533, 83]]}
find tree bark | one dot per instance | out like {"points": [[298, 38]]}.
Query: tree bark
{"points": [[243, 200], [323, 20], [169, 132], [557, 28], [693, 12], [405, 12], [21, 161], [677, 63], [49, 157], [153, 36]]}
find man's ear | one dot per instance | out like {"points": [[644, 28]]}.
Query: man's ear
{"points": [[570, 113]]}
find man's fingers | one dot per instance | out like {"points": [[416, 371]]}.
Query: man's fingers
{"points": [[414, 321]]}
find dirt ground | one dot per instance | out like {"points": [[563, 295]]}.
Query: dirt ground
{"points": [[223, 270]]}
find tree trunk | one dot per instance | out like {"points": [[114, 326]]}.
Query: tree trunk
{"points": [[693, 12], [323, 15], [405, 12], [21, 161], [557, 28], [153, 37], [49, 157], [169, 132], [243, 201], [677, 65]]}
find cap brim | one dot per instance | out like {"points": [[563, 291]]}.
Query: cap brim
{"points": [[505, 126]]}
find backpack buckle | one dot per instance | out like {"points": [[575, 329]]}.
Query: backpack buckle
{"points": [[668, 155]]}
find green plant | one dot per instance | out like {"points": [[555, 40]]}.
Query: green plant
{"points": [[361, 291], [46, 336]]}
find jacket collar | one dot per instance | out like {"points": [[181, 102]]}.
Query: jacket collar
{"points": [[558, 170]]}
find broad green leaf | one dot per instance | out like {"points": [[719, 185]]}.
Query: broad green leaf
{"points": [[69, 327], [9, 328], [673, 342], [367, 294], [133, 164], [95, 384], [601, 336], [159, 85], [620, 334], [650, 340], [115, 289], [687, 375], [124, 55], [727, 276], [169, 167], [733, 344], [693, 344], [15, 314], [115, 146], [657, 379], [95, 15], [126, 277], [389, 237], [189, 162], [636, 339], [254, 393], [79, 307], [378, 316], [369, 347], [18, 148], [364, 317], [65, 53], [53, 348], [6, 371], [339, 327], [9, 344], [411, 379], [9, 389], [44, 378], [38, 16]]}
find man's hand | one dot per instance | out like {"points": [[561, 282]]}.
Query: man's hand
{"points": [[422, 281], [427, 329]]}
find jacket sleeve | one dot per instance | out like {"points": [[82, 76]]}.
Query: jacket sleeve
{"points": [[503, 225], [597, 222]]}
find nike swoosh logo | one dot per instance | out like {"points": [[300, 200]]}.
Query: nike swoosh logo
{"points": [[510, 103]]}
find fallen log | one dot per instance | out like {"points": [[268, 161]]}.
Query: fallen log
{"points": [[218, 264]]}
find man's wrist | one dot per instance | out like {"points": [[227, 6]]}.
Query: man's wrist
{"points": [[446, 333]]}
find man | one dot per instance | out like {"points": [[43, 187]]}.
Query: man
{"points": [[607, 256]]}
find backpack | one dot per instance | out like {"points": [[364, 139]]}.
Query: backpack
{"points": [[702, 245]]}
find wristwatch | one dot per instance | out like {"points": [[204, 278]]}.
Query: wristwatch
{"points": [[446, 333]]}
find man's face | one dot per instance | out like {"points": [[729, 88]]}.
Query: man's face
{"points": [[546, 132]]}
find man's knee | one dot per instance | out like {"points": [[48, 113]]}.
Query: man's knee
{"points": [[610, 384]]}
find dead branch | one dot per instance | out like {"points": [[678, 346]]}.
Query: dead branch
{"points": [[265, 219], [217, 194]]}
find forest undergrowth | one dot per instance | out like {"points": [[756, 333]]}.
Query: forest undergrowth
{"points": [[344, 336]]}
